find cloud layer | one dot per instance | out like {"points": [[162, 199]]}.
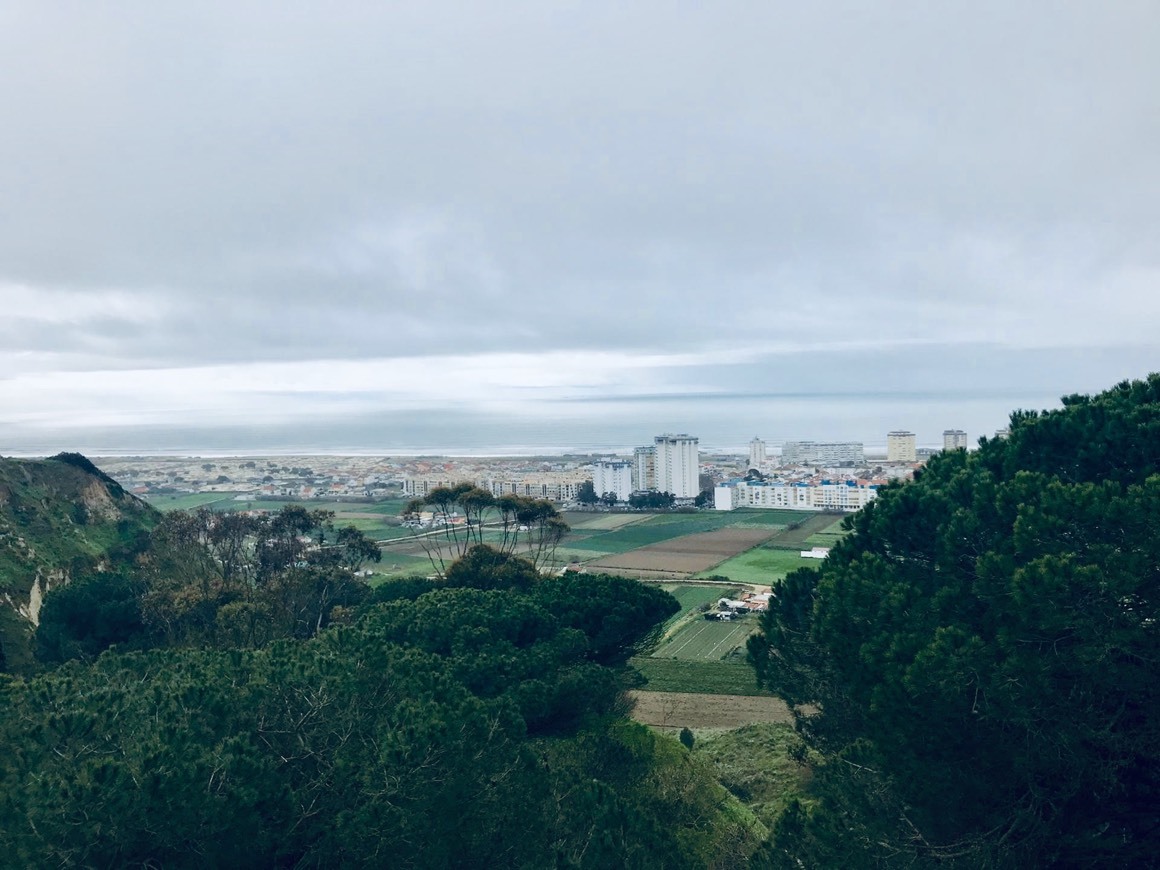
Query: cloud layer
{"points": [[236, 209]]}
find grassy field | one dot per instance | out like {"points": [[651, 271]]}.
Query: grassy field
{"points": [[760, 566], [827, 537], [398, 565], [655, 528], [757, 764], [707, 640], [376, 520], [692, 597], [597, 522], [376, 529], [390, 507], [772, 560], [697, 677], [564, 555], [193, 500], [812, 524]]}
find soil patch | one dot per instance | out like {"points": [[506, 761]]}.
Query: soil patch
{"points": [[674, 710], [687, 553]]}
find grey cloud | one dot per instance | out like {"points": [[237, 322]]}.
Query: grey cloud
{"points": [[359, 181]]}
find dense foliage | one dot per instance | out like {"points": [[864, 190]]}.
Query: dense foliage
{"points": [[984, 651], [476, 721], [205, 578]]}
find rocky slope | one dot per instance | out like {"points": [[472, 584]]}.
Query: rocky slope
{"points": [[58, 517]]}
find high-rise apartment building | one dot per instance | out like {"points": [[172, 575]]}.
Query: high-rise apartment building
{"points": [[900, 447], [644, 469], [677, 465], [613, 475], [826, 453], [954, 439], [756, 452]]}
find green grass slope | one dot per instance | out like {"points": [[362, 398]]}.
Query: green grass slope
{"points": [[57, 516]]}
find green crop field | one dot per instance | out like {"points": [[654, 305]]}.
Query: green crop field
{"points": [[564, 555], [390, 507], [376, 529], [810, 525], [621, 533], [193, 500], [707, 640], [733, 677], [744, 517], [602, 522], [827, 537], [760, 566], [652, 531], [692, 597], [398, 565]]}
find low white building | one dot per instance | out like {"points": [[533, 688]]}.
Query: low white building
{"points": [[846, 495], [556, 486]]}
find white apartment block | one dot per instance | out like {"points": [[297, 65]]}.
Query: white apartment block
{"points": [[823, 453], [421, 486], [677, 465], [644, 469], [900, 447], [845, 495], [556, 486], [757, 454], [954, 439], [613, 475]]}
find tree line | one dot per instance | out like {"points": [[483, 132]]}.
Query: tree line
{"points": [[243, 698], [976, 664]]}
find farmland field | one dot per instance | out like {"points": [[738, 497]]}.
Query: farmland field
{"points": [[685, 554], [398, 565], [761, 565], [193, 500], [765, 564], [812, 524], [707, 640], [656, 528], [827, 537], [681, 710], [564, 555], [691, 597], [602, 522]]}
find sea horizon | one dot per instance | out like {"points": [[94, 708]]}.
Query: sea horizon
{"points": [[722, 424]]}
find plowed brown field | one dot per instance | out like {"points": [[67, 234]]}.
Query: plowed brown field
{"points": [[687, 554]]}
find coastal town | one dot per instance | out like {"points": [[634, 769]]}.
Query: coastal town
{"points": [[797, 475]]}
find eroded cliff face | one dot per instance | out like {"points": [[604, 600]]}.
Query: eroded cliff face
{"points": [[57, 516]]}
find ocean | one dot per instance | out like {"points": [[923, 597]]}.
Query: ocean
{"points": [[723, 423]]}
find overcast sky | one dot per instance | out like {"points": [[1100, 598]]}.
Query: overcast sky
{"points": [[287, 213]]}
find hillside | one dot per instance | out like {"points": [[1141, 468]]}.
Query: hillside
{"points": [[58, 517]]}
